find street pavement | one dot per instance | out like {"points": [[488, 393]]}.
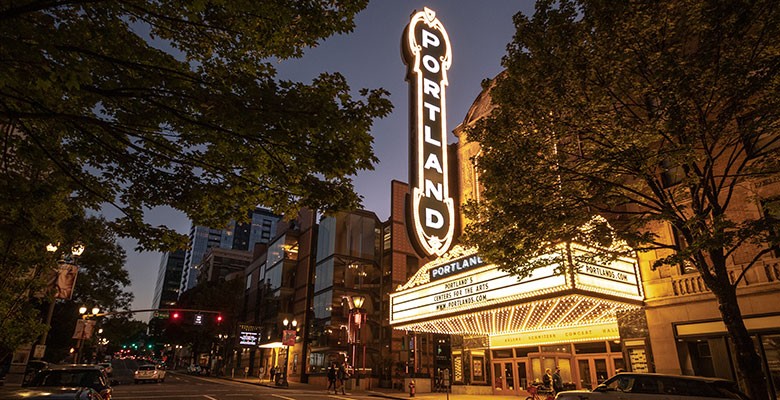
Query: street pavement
{"points": [[179, 386]]}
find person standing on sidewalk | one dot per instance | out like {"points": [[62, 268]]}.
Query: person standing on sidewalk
{"points": [[557, 381], [332, 371], [342, 376]]}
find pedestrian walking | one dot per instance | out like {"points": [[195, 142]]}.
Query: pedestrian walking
{"points": [[332, 374], [342, 376]]}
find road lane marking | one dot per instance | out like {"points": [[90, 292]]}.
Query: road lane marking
{"points": [[341, 397], [282, 397], [209, 397]]}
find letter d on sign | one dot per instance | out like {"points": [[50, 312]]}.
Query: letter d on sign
{"points": [[433, 219]]}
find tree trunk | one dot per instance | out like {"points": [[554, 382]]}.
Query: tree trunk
{"points": [[749, 368]]}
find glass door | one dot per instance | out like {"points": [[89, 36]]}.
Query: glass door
{"points": [[498, 377], [509, 377], [522, 376], [601, 370], [583, 368]]}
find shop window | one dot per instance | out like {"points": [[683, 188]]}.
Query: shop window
{"points": [[589, 348]]}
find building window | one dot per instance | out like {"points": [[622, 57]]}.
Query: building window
{"points": [[672, 173], [757, 139], [771, 209], [680, 244]]}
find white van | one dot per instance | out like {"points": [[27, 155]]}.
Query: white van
{"points": [[640, 386]]}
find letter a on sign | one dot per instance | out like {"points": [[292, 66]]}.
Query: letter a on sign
{"points": [[428, 56]]}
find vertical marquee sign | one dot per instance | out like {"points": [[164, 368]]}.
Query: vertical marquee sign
{"points": [[427, 54]]}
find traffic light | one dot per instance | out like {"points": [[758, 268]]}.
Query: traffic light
{"points": [[124, 346], [149, 346], [219, 318], [175, 315]]}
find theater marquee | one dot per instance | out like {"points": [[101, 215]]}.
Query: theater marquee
{"points": [[428, 56], [460, 293]]}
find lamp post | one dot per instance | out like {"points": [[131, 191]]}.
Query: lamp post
{"points": [[84, 316], [75, 252], [358, 319], [286, 337]]}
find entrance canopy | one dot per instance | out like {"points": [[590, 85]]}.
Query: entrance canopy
{"points": [[461, 294]]}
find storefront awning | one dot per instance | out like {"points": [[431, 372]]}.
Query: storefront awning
{"points": [[460, 294]]}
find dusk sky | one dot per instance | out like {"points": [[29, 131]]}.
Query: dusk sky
{"points": [[370, 57]]}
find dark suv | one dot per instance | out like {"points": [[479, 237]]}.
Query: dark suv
{"points": [[91, 376]]}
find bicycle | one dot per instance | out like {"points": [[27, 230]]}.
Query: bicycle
{"points": [[539, 393]]}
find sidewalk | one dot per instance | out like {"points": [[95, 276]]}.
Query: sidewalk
{"points": [[381, 393]]}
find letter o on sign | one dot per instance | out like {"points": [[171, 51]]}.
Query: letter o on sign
{"points": [[430, 63]]}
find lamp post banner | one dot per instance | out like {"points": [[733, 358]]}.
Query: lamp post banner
{"points": [[288, 337], [65, 280]]}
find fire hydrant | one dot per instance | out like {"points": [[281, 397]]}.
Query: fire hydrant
{"points": [[411, 388]]}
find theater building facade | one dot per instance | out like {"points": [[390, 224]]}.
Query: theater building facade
{"points": [[450, 309]]}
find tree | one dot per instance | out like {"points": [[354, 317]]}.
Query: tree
{"points": [[25, 291], [644, 113], [139, 104]]}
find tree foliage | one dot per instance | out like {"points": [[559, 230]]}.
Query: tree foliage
{"points": [[139, 104], [643, 113], [28, 272]]}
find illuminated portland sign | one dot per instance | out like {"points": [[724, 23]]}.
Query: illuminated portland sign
{"points": [[427, 54]]}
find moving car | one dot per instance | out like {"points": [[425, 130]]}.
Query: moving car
{"points": [[643, 386], [149, 373], [74, 376], [83, 393]]}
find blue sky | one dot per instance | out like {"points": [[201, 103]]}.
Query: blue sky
{"points": [[370, 57]]}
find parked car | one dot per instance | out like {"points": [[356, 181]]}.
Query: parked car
{"points": [[83, 393], [644, 386], [75, 376], [107, 368], [149, 373], [33, 368]]}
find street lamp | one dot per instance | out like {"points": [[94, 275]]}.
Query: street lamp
{"points": [[82, 336], [287, 337], [358, 317], [71, 258]]}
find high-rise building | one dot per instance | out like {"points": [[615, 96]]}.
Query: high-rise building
{"points": [[168, 279], [237, 236]]}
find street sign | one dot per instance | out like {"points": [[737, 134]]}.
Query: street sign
{"points": [[198, 319], [161, 314], [84, 328], [40, 350]]}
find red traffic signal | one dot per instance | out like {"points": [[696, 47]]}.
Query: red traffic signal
{"points": [[219, 318], [175, 315]]}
